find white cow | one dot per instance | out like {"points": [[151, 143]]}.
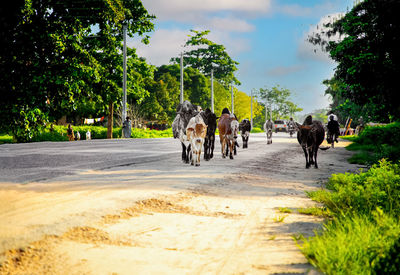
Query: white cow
{"points": [[196, 131]]}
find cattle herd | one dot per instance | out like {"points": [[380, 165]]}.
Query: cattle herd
{"points": [[196, 129]]}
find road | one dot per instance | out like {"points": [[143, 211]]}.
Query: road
{"points": [[130, 206]]}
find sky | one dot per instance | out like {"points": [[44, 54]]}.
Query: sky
{"points": [[267, 38]]}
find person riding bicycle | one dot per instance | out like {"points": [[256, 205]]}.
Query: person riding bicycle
{"points": [[333, 128]]}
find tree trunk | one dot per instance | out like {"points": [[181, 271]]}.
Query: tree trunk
{"points": [[110, 119]]}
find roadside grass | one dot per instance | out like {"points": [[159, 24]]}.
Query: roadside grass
{"points": [[375, 143], [257, 130], [285, 210], [59, 133], [280, 218], [316, 211], [4, 138], [353, 244], [363, 229], [362, 233]]}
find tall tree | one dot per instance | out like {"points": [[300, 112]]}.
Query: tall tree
{"points": [[205, 55], [277, 100], [368, 57], [48, 63]]}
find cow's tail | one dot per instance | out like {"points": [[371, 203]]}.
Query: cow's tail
{"points": [[324, 148]]}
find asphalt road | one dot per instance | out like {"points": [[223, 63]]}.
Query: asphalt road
{"points": [[44, 161]]}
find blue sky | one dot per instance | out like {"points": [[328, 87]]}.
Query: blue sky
{"points": [[267, 38]]}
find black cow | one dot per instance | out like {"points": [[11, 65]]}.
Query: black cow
{"points": [[310, 136], [210, 119], [185, 111], [245, 128]]}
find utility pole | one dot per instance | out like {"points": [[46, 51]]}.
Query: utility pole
{"points": [[251, 109], [266, 111], [232, 106], [181, 77], [212, 90], [124, 76]]}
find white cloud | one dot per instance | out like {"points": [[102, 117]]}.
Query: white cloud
{"points": [[306, 50], [229, 24], [171, 9], [167, 43], [285, 70], [224, 15], [164, 44]]}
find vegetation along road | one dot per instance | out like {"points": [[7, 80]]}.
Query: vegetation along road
{"points": [[130, 206]]}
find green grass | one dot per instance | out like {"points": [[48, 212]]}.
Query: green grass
{"points": [[361, 235], [351, 244], [285, 210], [280, 218], [315, 211], [4, 138], [375, 143], [59, 133], [257, 130]]}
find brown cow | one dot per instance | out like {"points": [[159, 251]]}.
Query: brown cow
{"points": [[196, 131], [228, 127], [310, 136]]}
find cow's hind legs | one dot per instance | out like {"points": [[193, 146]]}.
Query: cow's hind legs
{"points": [[188, 154], [315, 158], [306, 155], [183, 152]]}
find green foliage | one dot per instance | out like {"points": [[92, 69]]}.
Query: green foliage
{"points": [[389, 263], [362, 236], [52, 64], [352, 244], [4, 138], [257, 130], [368, 60], [59, 133], [363, 192], [277, 100], [316, 211], [208, 56], [285, 210], [375, 143]]}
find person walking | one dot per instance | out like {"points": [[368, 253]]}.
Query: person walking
{"points": [[70, 133], [127, 128]]}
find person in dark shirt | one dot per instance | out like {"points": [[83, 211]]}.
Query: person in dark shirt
{"points": [[333, 127]]}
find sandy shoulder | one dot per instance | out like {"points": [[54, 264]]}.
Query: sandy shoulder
{"points": [[147, 221]]}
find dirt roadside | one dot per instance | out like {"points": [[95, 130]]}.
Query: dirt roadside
{"points": [[152, 222]]}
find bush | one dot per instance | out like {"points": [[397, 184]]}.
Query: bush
{"points": [[363, 192], [375, 143], [256, 130], [352, 244], [59, 133]]}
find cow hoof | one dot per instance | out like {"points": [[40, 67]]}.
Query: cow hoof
{"points": [[197, 164], [316, 166], [231, 157]]}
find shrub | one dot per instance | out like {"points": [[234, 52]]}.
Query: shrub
{"points": [[256, 130], [375, 143], [363, 192], [352, 244]]}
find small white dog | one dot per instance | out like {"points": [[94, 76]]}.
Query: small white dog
{"points": [[88, 137]]}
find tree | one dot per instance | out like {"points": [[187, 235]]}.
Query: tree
{"points": [[242, 106], [206, 56], [50, 62], [367, 56], [277, 100]]}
